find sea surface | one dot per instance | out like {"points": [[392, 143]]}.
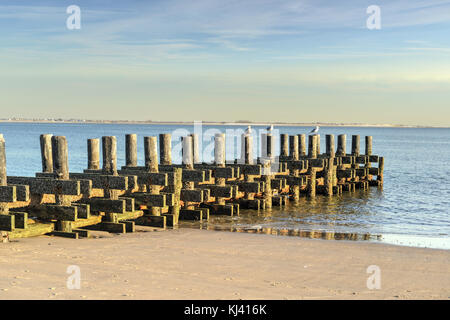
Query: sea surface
{"points": [[412, 209]]}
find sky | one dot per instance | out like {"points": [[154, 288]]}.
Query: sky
{"points": [[228, 60]]}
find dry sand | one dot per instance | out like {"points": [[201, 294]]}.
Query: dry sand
{"points": [[200, 264]]}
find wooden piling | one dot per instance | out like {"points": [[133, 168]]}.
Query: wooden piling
{"points": [[188, 163], [46, 153], [318, 144], [270, 145], [187, 152], [151, 163], [380, 176], [368, 145], [165, 148], [109, 148], [195, 148], [311, 189], [368, 152], [248, 152], [330, 145], [342, 145], [293, 147], [312, 146], [264, 145], [3, 176], [60, 157], [302, 145], [219, 160], [328, 178], [175, 187], [131, 150], [4, 217], [355, 145], [284, 145], [93, 148], [61, 169], [267, 177], [151, 154], [248, 149], [219, 149]]}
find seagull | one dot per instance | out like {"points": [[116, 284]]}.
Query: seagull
{"points": [[269, 128], [249, 130], [315, 130]]}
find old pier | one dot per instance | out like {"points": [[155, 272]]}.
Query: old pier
{"points": [[159, 194]]}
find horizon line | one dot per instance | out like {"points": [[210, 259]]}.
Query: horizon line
{"points": [[236, 123]]}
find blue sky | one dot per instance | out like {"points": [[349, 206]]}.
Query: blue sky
{"points": [[300, 61]]}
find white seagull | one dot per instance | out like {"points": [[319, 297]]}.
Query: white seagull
{"points": [[270, 128], [248, 130], [315, 130]]}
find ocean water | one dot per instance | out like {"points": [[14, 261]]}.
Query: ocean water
{"points": [[413, 208]]}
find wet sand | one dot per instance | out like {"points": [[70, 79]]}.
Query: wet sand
{"points": [[201, 264]]}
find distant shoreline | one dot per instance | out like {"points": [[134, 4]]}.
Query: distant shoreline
{"points": [[217, 123]]}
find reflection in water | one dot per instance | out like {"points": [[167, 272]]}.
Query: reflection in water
{"points": [[312, 234], [343, 217]]}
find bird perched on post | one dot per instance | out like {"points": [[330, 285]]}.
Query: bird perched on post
{"points": [[248, 130], [315, 130], [269, 128]]}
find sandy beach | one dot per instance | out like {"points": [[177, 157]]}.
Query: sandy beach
{"points": [[200, 264]]}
